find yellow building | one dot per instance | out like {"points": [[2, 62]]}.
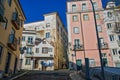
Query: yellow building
{"points": [[11, 25]]}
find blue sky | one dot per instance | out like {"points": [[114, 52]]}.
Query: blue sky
{"points": [[35, 9]]}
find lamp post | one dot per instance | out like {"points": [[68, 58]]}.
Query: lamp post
{"points": [[98, 41], [22, 49]]}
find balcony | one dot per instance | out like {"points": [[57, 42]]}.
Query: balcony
{"points": [[78, 47], [16, 20], [12, 43], [16, 24], [104, 45], [28, 54], [30, 43]]}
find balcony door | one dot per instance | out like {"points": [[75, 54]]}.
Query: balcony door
{"points": [[30, 40], [7, 64]]}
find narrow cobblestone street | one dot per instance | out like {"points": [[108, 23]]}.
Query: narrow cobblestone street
{"points": [[45, 75]]}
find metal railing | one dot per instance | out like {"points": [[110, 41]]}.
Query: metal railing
{"points": [[78, 47]]}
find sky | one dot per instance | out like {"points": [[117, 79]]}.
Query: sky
{"points": [[35, 9]]}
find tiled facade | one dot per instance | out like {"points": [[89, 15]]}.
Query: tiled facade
{"points": [[82, 32], [11, 25], [53, 32]]}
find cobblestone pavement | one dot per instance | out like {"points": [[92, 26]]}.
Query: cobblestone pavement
{"points": [[45, 75]]}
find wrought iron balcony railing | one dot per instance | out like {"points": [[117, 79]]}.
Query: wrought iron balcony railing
{"points": [[78, 47], [104, 45]]}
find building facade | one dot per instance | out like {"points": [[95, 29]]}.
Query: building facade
{"points": [[82, 34], [112, 23], [50, 43], [11, 25]]}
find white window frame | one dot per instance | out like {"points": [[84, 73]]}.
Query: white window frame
{"points": [[76, 30], [75, 18], [84, 6]]}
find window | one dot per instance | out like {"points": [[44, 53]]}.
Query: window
{"points": [[15, 15], [9, 2], [1, 49], [13, 31], [76, 41], [97, 16], [75, 18], [99, 28], [101, 40], [119, 37], [95, 5], [109, 25], [37, 50], [109, 14], [117, 25], [112, 38], [27, 62], [74, 7], [91, 62], [49, 49], [44, 50], [4, 24], [85, 17], [84, 6], [44, 42], [104, 55], [114, 51], [12, 36], [76, 30], [30, 39], [47, 25], [23, 38], [48, 35], [29, 50]]}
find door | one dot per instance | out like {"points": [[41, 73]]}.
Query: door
{"points": [[36, 63], [105, 62], [8, 58], [15, 64], [79, 64]]}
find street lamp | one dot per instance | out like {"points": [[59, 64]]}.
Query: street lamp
{"points": [[98, 41], [22, 49]]}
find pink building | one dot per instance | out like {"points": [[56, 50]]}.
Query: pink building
{"points": [[82, 32]]}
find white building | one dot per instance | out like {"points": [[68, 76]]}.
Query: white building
{"points": [[112, 22], [46, 44]]}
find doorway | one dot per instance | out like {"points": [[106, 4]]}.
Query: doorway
{"points": [[79, 64], [36, 63], [15, 65], [7, 64]]}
